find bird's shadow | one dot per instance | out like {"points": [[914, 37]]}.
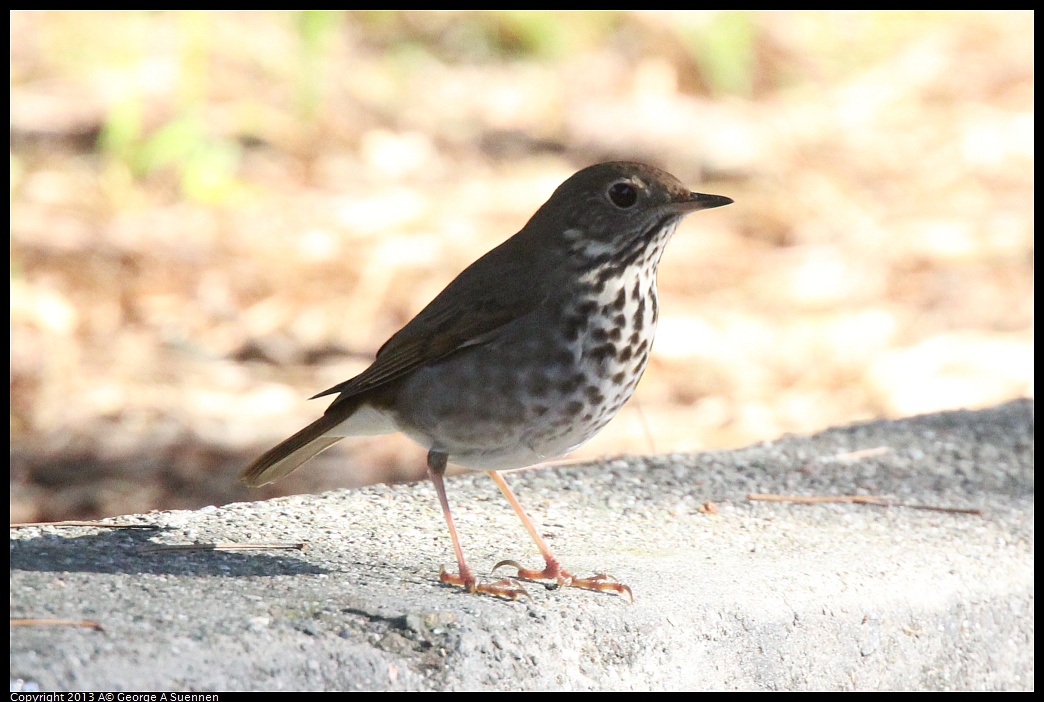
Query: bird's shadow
{"points": [[128, 552]]}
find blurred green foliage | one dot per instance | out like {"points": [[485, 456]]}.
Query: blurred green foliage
{"points": [[724, 47], [205, 164], [156, 69], [490, 35], [316, 30]]}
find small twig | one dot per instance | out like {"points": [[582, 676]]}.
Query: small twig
{"points": [[937, 508], [857, 499], [850, 456], [104, 525], [636, 404], [83, 623], [223, 547]]}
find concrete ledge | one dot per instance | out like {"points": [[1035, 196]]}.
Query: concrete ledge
{"points": [[757, 595]]}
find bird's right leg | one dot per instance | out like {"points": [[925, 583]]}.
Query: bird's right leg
{"points": [[507, 587]]}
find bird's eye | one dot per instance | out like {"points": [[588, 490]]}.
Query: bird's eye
{"points": [[623, 195]]}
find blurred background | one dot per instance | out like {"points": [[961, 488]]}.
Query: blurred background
{"points": [[215, 215]]}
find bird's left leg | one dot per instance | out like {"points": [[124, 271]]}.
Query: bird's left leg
{"points": [[553, 570]]}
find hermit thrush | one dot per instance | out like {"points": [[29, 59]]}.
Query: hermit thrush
{"points": [[525, 355]]}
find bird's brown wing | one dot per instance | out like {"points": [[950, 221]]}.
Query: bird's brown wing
{"points": [[480, 301], [470, 311]]}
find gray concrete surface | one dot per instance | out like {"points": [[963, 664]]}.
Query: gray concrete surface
{"points": [[757, 595]]}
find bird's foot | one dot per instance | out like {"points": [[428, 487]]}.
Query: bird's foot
{"points": [[554, 572], [507, 588]]}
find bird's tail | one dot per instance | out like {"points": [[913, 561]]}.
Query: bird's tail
{"points": [[290, 454]]}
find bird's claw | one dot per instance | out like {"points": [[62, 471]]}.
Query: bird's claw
{"points": [[507, 588], [602, 582]]}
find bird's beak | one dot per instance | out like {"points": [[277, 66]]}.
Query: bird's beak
{"points": [[699, 201]]}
